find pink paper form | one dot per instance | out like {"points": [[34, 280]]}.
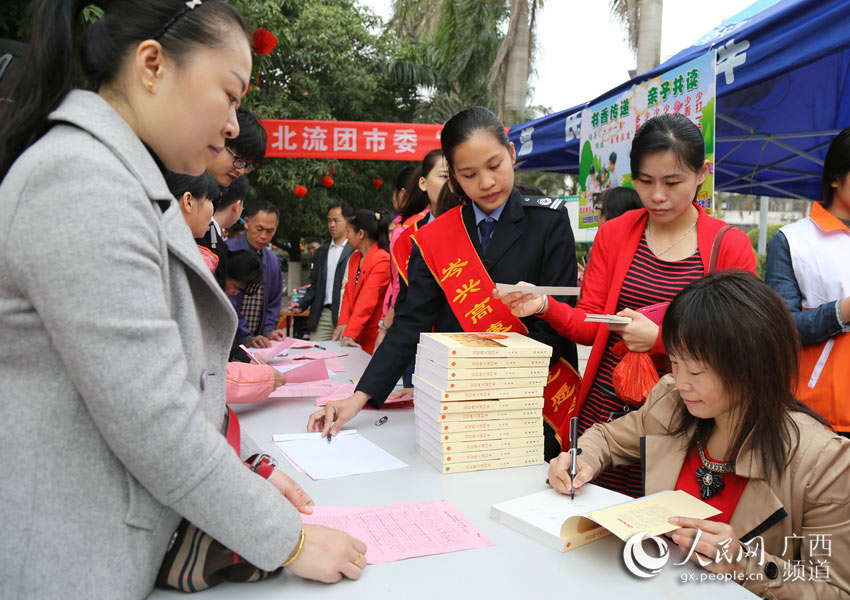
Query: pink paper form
{"points": [[406, 530], [312, 370], [304, 390], [344, 390]]}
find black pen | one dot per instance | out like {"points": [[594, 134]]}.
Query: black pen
{"points": [[329, 437], [574, 452], [320, 347]]}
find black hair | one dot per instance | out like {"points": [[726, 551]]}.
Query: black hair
{"points": [[49, 69], [236, 229], [836, 165], [243, 266], [447, 200], [617, 200], [236, 191], [726, 321], [261, 206], [11, 54], [313, 240], [375, 224], [461, 127], [592, 169], [612, 158], [673, 132], [528, 189], [342, 206], [200, 186], [403, 177], [415, 200], [250, 144]]}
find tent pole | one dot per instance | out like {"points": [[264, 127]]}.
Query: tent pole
{"points": [[763, 201]]}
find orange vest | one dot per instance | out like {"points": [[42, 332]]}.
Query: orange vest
{"points": [[819, 247]]}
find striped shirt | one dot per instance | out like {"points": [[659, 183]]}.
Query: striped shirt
{"points": [[649, 281]]}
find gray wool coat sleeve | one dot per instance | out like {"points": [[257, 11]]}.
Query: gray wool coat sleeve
{"points": [[115, 338]]}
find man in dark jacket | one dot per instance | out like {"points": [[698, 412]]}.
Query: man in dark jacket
{"points": [[323, 297], [258, 307]]}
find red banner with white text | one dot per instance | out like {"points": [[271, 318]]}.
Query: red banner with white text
{"points": [[350, 139]]}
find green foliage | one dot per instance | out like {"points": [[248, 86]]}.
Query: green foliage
{"points": [[754, 235], [332, 62], [761, 261], [449, 53], [13, 20]]}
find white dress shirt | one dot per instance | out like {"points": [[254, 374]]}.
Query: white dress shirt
{"points": [[334, 252]]}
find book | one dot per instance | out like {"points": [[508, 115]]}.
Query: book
{"points": [[481, 362], [480, 445], [471, 406], [425, 413], [482, 383], [455, 395], [564, 524], [483, 465], [436, 450], [488, 435], [438, 373], [456, 426], [483, 344]]}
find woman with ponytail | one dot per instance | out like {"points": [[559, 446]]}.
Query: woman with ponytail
{"points": [[498, 235], [114, 351], [368, 278]]}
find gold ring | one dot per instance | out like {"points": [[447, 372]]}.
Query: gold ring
{"points": [[359, 556]]}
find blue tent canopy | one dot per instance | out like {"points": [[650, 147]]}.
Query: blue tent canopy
{"points": [[783, 69]]}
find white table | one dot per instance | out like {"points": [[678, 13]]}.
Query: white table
{"points": [[516, 567]]}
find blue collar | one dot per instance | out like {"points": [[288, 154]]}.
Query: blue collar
{"points": [[480, 216]]}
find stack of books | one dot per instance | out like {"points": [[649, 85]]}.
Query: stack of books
{"points": [[478, 400]]}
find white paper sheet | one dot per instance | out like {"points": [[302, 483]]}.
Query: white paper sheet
{"points": [[349, 453]]}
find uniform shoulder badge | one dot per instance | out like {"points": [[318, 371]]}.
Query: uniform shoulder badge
{"points": [[544, 202]]}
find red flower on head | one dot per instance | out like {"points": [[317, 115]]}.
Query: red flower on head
{"points": [[300, 191], [264, 41]]}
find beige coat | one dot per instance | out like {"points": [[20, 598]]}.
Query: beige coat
{"points": [[812, 497]]}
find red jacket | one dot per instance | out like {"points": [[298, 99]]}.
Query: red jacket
{"points": [[614, 249], [362, 304]]}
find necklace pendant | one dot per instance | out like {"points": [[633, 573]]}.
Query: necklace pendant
{"points": [[710, 483]]}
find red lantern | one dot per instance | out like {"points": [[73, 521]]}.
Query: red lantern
{"points": [[264, 41], [300, 191], [377, 183], [327, 181], [331, 171]]}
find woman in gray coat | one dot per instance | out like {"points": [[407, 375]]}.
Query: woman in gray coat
{"points": [[114, 347]]}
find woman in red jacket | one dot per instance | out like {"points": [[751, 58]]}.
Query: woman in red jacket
{"points": [[641, 258], [368, 278]]}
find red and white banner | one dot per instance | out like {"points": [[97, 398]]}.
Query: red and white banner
{"points": [[350, 139]]}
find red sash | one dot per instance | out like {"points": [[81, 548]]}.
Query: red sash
{"points": [[404, 243], [451, 257]]}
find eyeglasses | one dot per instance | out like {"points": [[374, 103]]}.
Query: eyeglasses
{"points": [[240, 163]]}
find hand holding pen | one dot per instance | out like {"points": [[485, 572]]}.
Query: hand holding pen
{"points": [[560, 469], [574, 452]]}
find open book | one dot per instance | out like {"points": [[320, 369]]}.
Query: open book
{"points": [[564, 524]]}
